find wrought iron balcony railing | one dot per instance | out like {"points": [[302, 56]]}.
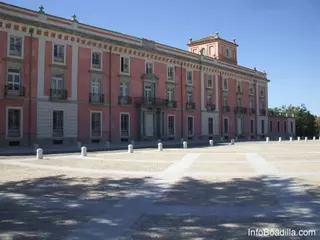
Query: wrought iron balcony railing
{"points": [[58, 94], [124, 100], [240, 110], [14, 90], [211, 107], [171, 103], [225, 109], [96, 98], [190, 105], [149, 102]]}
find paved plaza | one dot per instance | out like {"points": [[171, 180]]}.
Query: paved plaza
{"points": [[198, 193]]}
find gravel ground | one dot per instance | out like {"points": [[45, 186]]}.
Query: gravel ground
{"points": [[221, 167], [297, 167]]}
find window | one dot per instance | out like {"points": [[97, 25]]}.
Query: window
{"points": [[96, 60], [225, 84], [57, 126], [285, 126], [262, 105], [225, 125], [262, 126], [124, 65], [95, 86], [14, 79], [14, 120], [124, 124], [239, 87], [149, 67], [190, 125], [170, 73], [189, 77], [262, 91], [227, 52], [148, 92], [270, 126], [251, 103], [209, 98], [171, 123], [57, 81], [278, 126], [251, 89], [291, 126], [96, 124], [210, 126], [189, 97], [124, 89], [239, 102], [58, 53], [15, 46], [251, 126], [209, 81], [170, 94], [225, 101]]}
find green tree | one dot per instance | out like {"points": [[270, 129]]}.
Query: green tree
{"points": [[305, 121]]}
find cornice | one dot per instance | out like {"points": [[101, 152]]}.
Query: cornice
{"points": [[168, 56]]}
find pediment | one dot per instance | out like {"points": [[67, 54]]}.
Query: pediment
{"points": [[149, 76]]}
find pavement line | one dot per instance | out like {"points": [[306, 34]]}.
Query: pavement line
{"points": [[139, 201], [51, 167], [260, 165]]}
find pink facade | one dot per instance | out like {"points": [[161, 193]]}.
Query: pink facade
{"points": [[90, 89]]}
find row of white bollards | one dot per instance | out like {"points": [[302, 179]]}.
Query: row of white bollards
{"points": [[291, 139]]}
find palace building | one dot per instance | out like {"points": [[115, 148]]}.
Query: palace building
{"points": [[62, 81]]}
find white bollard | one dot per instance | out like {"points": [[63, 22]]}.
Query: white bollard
{"points": [[298, 139], [211, 143], [280, 139], [185, 145], [314, 138], [78, 145], [290, 139], [84, 151], [267, 139], [39, 153], [107, 144], [130, 148], [306, 139], [160, 146], [232, 142]]}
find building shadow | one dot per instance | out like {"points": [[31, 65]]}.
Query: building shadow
{"points": [[52, 207]]}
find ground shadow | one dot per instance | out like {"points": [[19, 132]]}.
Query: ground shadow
{"points": [[51, 207]]}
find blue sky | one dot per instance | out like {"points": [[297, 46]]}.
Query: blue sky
{"points": [[279, 36]]}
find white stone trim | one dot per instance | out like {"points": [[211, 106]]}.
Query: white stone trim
{"points": [[21, 122], [129, 64], [59, 42], [13, 33], [101, 60]]}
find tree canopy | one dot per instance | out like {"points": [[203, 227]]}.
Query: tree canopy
{"points": [[307, 124]]}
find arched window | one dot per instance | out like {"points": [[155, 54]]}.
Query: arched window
{"points": [[227, 52]]}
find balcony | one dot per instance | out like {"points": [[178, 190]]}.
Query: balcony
{"points": [[239, 91], [190, 105], [57, 133], [263, 112], [58, 94], [240, 110], [96, 98], [124, 100], [225, 109], [211, 107], [252, 111], [14, 91], [171, 103], [149, 102]]}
